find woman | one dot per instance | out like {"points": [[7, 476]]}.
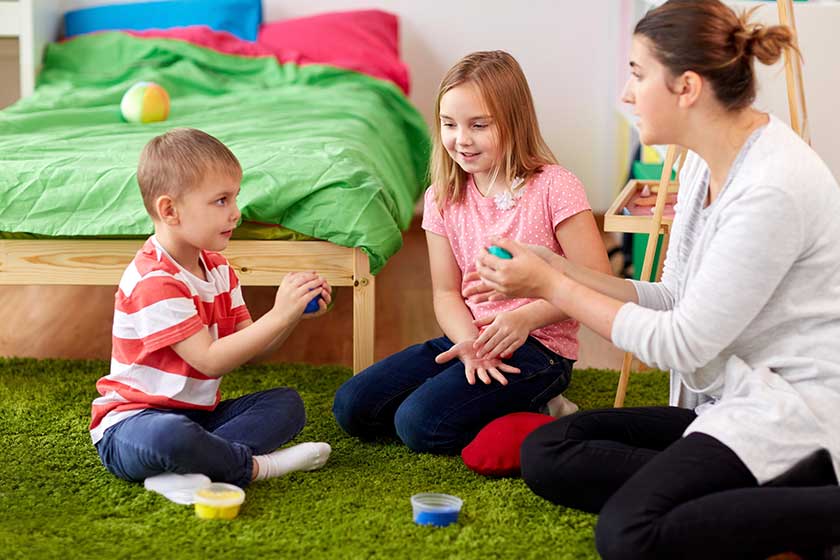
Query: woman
{"points": [[747, 317]]}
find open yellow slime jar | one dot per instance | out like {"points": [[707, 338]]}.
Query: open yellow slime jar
{"points": [[218, 501]]}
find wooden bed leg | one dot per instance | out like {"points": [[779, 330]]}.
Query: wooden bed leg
{"points": [[364, 304]]}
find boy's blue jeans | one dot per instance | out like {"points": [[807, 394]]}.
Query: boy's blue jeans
{"points": [[218, 443], [432, 408]]}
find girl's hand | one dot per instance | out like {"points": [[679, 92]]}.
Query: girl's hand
{"points": [[502, 336], [294, 292], [473, 366], [477, 291], [524, 275], [323, 303]]}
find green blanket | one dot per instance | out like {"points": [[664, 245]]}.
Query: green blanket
{"points": [[326, 152]]}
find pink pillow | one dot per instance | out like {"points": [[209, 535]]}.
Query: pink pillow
{"points": [[495, 450], [366, 41]]}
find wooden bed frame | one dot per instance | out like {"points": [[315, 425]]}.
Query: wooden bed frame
{"points": [[35, 23], [101, 262]]}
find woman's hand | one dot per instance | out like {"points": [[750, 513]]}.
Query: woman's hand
{"points": [[526, 274], [485, 368], [542, 252], [478, 291], [502, 335]]}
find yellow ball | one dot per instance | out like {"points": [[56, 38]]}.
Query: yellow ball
{"points": [[145, 102]]}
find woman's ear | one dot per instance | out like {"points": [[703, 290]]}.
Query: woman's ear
{"points": [[689, 86], [166, 210]]}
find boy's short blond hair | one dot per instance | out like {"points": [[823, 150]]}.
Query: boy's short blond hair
{"points": [[178, 161]]}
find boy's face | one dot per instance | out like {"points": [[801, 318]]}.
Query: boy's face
{"points": [[208, 214]]}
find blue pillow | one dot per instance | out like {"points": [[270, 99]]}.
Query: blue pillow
{"points": [[239, 17]]}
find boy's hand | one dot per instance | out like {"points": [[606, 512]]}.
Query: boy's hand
{"points": [[294, 292], [473, 366], [323, 303]]}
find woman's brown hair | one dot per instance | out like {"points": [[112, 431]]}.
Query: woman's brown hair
{"points": [[709, 38], [504, 90]]}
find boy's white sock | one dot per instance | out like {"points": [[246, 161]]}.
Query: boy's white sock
{"points": [[302, 457], [561, 406]]}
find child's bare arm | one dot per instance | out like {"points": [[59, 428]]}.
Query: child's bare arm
{"points": [[216, 358], [452, 314], [323, 303]]}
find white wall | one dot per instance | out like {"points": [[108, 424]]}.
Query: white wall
{"points": [[817, 24]]}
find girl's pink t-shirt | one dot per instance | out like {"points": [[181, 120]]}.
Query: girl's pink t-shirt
{"points": [[546, 200]]}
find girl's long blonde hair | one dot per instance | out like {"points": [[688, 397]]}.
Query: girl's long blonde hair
{"points": [[504, 90]]}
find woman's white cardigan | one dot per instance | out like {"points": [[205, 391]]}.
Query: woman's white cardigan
{"points": [[747, 316]]}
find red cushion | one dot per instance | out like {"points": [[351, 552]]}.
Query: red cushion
{"points": [[363, 40], [495, 450]]}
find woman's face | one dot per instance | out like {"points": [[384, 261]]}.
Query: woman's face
{"points": [[655, 105]]}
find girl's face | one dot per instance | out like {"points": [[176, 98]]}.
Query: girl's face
{"points": [[647, 91], [467, 130]]}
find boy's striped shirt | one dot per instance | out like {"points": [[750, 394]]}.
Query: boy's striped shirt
{"points": [[158, 304]]}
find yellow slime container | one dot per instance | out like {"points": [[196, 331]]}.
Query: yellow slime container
{"points": [[218, 501]]}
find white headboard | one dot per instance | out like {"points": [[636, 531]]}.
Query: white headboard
{"points": [[571, 51], [35, 23]]}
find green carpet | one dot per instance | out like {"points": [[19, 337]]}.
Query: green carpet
{"points": [[57, 501]]}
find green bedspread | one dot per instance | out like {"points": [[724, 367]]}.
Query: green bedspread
{"points": [[326, 152]]}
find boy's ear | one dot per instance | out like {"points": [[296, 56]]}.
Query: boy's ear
{"points": [[689, 86], [166, 210]]}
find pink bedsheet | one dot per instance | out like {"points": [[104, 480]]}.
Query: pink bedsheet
{"points": [[365, 41]]}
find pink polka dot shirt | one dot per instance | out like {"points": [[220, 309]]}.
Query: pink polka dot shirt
{"points": [[548, 198]]}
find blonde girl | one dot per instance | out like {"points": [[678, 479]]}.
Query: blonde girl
{"points": [[492, 174]]}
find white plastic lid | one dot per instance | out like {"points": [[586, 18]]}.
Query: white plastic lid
{"points": [[179, 488]]}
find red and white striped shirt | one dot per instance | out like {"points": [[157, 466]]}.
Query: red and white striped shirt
{"points": [[158, 304]]}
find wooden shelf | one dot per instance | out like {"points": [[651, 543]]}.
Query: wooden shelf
{"points": [[616, 220]]}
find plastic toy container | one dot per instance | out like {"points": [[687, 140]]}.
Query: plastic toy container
{"points": [[438, 510], [499, 252], [218, 501]]}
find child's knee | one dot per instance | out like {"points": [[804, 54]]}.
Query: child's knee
{"points": [[420, 429], [285, 413], [290, 404], [347, 407]]}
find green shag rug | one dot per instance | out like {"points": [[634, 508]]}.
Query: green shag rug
{"points": [[57, 501]]}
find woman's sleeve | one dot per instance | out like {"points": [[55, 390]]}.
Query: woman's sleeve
{"points": [[757, 240], [660, 295]]}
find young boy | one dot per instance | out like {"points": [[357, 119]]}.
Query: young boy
{"points": [[180, 324]]}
